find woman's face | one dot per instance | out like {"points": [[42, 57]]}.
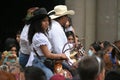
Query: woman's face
{"points": [[13, 50], [45, 23]]}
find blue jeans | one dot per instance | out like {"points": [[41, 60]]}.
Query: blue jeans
{"points": [[23, 59], [39, 63]]}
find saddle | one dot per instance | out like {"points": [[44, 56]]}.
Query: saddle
{"points": [[58, 69], [73, 53]]}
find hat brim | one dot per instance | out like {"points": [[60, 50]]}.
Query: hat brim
{"points": [[38, 17], [70, 12]]}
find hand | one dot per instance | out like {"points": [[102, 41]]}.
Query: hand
{"points": [[63, 56], [75, 65]]}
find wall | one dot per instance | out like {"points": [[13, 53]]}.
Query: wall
{"points": [[107, 20], [84, 19]]}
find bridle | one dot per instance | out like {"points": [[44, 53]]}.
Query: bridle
{"points": [[73, 51]]}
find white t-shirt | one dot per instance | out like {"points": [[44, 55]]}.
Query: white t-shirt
{"points": [[24, 44], [57, 37], [38, 40], [69, 29]]}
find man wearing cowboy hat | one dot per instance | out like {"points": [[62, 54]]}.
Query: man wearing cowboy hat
{"points": [[57, 35]]}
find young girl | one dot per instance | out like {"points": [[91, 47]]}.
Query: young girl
{"points": [[70, 36], [41, 47]]}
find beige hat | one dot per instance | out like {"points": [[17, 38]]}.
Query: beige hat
{"points": [[60, 10]]}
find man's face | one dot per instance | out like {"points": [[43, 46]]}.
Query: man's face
{"points": [[64, 20]]}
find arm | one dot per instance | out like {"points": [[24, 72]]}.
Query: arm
{"points": [[48, 54]]}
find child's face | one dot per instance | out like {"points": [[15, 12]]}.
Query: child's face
{"points": [[70, 39]]}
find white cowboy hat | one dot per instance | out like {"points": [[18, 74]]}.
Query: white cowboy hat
{"points": [[60, 10]]}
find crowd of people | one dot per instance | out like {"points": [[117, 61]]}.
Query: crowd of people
{"points": [[48, 48]]}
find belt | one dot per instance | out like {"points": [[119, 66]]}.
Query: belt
{"points": [[24, 53]]}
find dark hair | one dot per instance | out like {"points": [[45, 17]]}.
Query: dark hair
{"points": [[89, 67], [96, 46], [9, 42], [11, 46], [113, 75], [34, 73], [70, 33], [105, 43], [70, 21], [18, 32], [35, 25]]}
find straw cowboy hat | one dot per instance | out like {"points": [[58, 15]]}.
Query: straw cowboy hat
{"points": [[60, 10]]}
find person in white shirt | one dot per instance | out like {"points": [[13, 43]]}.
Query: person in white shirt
{"points": [[24, 43], [56, 32], [40, 45], [57, 35]]}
